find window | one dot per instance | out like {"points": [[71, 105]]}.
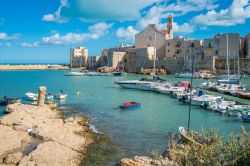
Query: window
{"points": [[168, 50], [168, 44]]}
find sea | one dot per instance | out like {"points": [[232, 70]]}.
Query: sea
{"points": [[130, 132]]}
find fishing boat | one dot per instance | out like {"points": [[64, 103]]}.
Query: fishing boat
{"points": [[31, 96], [192, 136], [61, 96], [246, 118], [49, 96], [129, 105]]}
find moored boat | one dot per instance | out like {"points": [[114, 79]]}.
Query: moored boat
{"points": [[129, 105], [61, 96], [192, 136], [246, 118], [31, 96], [49, 96], [243, 95]]}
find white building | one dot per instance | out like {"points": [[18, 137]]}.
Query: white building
{"points": [[152, 37], [78, 57]]}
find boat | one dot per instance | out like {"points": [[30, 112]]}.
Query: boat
{"points": [[75, 73], [31, 96], [5, 101], [186, 75], [243, 95], [246, 118], [130, 105], [118, 73], [193, 136], [49, 96], [61, 96]]}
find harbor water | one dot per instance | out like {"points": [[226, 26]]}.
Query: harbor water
{"points": [[133, 132]]}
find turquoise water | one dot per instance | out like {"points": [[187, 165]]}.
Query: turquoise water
{"points": [[134, 131]]}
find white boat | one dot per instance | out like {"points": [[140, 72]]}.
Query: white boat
{"points": [[61, 96], [193, 136], [49, 96], [31, 96], [199, 100], [75, 73]]}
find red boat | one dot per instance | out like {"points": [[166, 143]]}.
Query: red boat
{"points": [[129, 105]]}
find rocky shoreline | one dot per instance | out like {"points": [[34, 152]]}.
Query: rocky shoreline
{"points": [[38, 135]]}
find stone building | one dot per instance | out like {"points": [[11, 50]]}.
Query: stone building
{"points": [[247, 45], [113, 56], [233, 45], [78, 57], [152, 37], [136, 58]]}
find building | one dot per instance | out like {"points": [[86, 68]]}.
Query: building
{"points": [[233, 45], [152, 37], [247, 45], [93, 62], [113, 56], [136, 58], [78, 57]]}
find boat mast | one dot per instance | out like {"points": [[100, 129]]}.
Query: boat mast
{"points": [[191, 89], [154, 55], [227, 59]]}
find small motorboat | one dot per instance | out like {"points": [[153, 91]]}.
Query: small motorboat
{"points": [[193, 136], [130, 105], [75, 73], [49, 96], [246, 118], [61, 96], [31, 96], [5, 101]]}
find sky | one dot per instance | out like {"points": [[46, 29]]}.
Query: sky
{"points": [[43, 31]]}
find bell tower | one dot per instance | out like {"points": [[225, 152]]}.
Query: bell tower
{"points": [[170, 26]]}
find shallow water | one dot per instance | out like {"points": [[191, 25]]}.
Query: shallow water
{"points": [[134, 132]]}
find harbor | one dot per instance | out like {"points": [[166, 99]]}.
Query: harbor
{"points": [[151, 125]]}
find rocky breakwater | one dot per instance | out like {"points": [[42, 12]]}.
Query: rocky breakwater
{"points": [[38, 135]]}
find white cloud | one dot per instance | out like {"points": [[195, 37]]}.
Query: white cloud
{"points": [[184, 28], [8, 44], [34, 44], [183, 7], [95, 31], [5, 36], [127, 33], [98, 10], [237, 13]]}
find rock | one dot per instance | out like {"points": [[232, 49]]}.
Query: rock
{"points": [[66, 140], [13, 158], [12, 140], [41, 95], [51, 153], [129, 162]]}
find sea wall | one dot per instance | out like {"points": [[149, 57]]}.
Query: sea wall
{"points": [[33, 67], [33, 135]]}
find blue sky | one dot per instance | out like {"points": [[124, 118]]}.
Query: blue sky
{"points": [[42, 31]]}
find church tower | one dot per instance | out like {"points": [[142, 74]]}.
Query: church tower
{"points": [[170, 26]]}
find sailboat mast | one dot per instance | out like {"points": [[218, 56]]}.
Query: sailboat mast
{"points": [[238, 65], [227, 59], [191, 89]]}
